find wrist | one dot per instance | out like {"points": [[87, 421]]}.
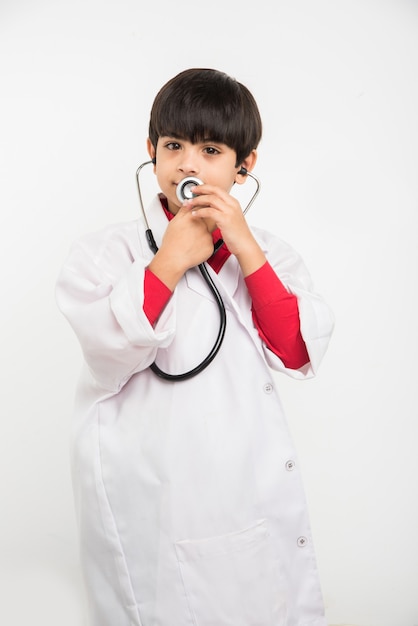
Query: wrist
{"points": [[250, 258], [166, 269]]}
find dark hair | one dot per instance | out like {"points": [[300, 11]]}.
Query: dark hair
{"points": [[200, 104]]}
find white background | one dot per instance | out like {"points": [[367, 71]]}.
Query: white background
{"points": [[336, 82]]}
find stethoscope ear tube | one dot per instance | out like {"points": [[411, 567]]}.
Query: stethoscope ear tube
{"points": [[183, 193], [256, 192]]}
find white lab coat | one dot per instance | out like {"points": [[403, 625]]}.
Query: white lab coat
{"points": [[190, 503]]}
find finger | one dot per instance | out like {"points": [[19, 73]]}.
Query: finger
{"points": [[204, 189], [209, 191], [206, 201]]}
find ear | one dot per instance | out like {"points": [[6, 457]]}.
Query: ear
{"points": [[151, 150], [248, 164]]}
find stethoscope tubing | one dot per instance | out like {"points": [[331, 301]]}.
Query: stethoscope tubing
{"points": [[209, 281], [219, 339]]}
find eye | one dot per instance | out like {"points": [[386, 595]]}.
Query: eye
{"points": [[211, 150], [172, 145]]}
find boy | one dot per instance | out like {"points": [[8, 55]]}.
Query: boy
{"points": [[190, 502]]}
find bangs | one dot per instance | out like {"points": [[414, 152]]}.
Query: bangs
{"points": [[206, 105], [197, 123]]}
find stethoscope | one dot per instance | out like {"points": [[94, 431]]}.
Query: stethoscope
{"points": [[184, 192]]}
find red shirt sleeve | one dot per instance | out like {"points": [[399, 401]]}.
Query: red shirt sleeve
{"points": [[276, 316], [156, 296]]}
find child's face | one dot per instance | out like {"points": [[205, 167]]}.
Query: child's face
{"points": [[212, 162]]}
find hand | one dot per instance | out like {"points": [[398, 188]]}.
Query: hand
{"points": [[220, 209], [186, 243]]}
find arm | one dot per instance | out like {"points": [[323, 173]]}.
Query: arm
{"points": [[316, 320], [276, 316], [100, 290], [156, 296], [252, 247]]}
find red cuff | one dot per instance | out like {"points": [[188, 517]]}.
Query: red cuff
{"points": [[156, 296]]}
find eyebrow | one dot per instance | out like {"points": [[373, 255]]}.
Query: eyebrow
{"points": [[209, 140], [171, 136]]}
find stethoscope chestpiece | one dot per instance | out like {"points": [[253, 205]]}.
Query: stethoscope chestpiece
{"points": [[183, 188]]}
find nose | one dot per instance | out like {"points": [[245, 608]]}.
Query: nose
{"points": [[189, 163]]}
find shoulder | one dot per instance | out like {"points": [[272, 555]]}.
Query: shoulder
{"points": [[287, 262], [108, 251], [122, 236], [270, 243], [127, 235], [110, 232]]}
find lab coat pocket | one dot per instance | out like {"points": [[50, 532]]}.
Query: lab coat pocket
{"points": [[233, 579]]}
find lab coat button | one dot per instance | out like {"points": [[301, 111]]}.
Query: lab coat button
{"points": [[268, 388], [290, 466], [302, 541]]}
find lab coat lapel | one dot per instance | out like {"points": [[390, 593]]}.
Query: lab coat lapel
{"points": [[226, 281], [157, 220]]}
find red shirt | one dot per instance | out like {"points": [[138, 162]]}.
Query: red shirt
{"points": [[275, 310]]}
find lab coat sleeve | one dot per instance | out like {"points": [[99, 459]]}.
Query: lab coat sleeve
{"points": [[100, 292], [316, 317]]}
